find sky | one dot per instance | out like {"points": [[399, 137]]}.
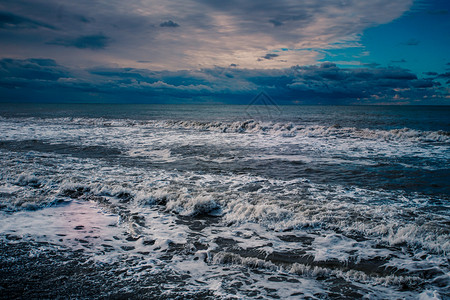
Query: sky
{"points": [[225, 51]]}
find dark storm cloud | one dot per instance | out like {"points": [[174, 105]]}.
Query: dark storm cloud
{"points": [[12, 21], [270, 56], [325, 84], [94, 42], [430, 73], [276, 23], [331, 82], [80, 24], [120, 73], [31, 69], [371, 65], [169, 23], [401, 61], [444, 75], [425, 83]]}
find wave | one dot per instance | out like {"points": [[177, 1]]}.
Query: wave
{"points": [[287, 129], [312, 206], [323, 231], [314, 271], [292, 130]]}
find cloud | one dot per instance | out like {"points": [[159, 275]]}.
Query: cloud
{"points": [[444, 75], [211, 33], [431, 73], [94, 42], [224, 50], [371, 65], [169, 23], [401, 61], [332, 84], [276, 23], [12, 21], [32, 69], [424, 83], [315, 84], [270, 56]]}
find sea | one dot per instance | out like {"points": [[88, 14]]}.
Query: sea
{"points": [[115, 201]]}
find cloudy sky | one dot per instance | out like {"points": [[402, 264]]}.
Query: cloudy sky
{"points": [[227, 51]]}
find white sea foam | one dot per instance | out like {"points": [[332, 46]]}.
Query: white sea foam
{"points": [[310, 205], [193, 206], [429, 295], [163, 195], [315, 271], [288, 129]]}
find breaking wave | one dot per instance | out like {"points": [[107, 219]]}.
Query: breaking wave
{"points": [[314, 271], [309, 210], [288, 129], [291, 130]]}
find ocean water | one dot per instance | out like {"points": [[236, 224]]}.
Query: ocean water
{"points": [[224, 202]]}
